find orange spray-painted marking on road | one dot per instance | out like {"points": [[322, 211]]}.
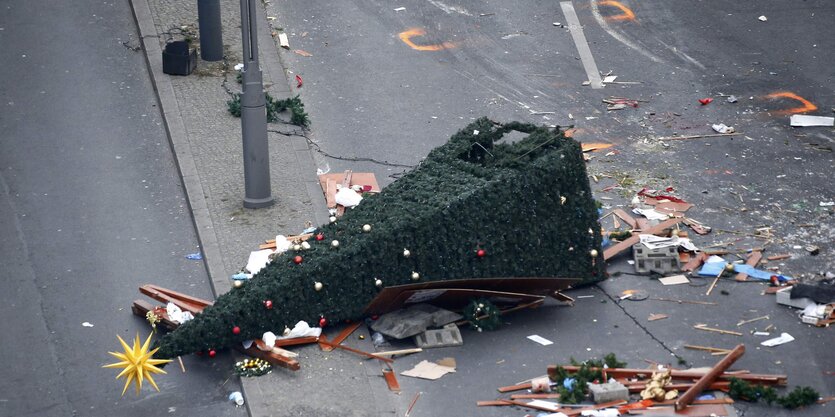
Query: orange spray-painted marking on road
{"points": [[407, 36], [806, 107], [626, 14]]}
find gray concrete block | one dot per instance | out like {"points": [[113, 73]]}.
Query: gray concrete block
{"points": [[611, 391], [448, 336]]}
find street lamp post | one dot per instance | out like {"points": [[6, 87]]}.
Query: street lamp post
{"points": [[254, 116]]}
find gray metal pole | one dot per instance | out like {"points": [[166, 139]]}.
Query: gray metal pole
{"points": [[254, 116], [211, 35]]}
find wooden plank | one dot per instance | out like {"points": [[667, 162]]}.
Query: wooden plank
{"points": [[534, 396], [330, 193], [519, 387], [342, 335], [180, 296], [626, 218], [296, 341], [272, 358], [626, 244], [391, 379], [399, 352], [704, 382], [162, 297], [753, 260], [493, 403]]}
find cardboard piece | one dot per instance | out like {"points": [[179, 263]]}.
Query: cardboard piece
{"points": [[541, 340], [674, 280], [428, 370], [802, 120]]}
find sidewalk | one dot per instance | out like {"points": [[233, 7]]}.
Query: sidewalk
{"points": [[206, 140]]}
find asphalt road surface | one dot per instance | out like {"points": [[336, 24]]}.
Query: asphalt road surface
{"points": [[91, 207], [386, 82]]}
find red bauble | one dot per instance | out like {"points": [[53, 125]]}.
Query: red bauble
{"points": [[481, 253], [320, 236], [298, 259], [212, 353], [236, 330], [268, 304], [323, 322]]}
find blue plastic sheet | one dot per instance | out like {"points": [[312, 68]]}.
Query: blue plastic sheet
{"points": [[758, 273]]}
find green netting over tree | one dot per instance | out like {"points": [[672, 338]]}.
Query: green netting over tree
{"points": [[527, 206]]}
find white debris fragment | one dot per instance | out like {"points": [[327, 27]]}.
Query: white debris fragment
{"points": [[399, 9], [87, 324], [762, 19], [723, 128]]}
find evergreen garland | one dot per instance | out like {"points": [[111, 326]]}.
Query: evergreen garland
{"points": [[483, 315], [799, 397], [252, 367], [298, 116], [528, 205]]}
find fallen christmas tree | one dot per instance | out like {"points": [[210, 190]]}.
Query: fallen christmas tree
{"points": [[474, 208]]}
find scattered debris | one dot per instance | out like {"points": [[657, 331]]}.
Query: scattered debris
{"points": [[654, 317], [399, 9], [705, 101], [195, 256], [87, 324], [237, 398], [723, 128], [752, 320], [711, 329], [762, 19], [302, 52], [732, 99]]}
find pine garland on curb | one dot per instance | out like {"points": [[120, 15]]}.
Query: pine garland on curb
{"points": [[474, 208], [799, 397], [298, 116]]}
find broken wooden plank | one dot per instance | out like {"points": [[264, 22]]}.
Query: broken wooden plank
{"points": [[626, 244], [706, 348], [704, 382], [399, 352], [141, 308], [779, 257], [330, 192], [681, 386], [158, 294], [541, 396], [296, 341], [753, 260], [342, 335]]}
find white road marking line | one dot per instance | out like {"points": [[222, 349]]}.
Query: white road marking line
{"points": [[581, 44]]}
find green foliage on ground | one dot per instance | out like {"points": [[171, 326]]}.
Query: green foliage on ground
{"points": [[799, 397], [527, 204], [298, 116]]}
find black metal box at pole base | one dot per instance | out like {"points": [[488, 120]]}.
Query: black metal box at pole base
{"points": [[178, 58]]}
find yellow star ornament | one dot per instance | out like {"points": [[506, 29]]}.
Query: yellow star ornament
{"points": [[138, 363]]}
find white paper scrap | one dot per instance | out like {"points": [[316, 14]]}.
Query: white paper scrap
{"points": [[283, 41], [802, 120], [541, 340], [87, 324], [347, 197], [650, 214], [606, 412], [545, 404], [784, 338], [257, 260], [302, 329]]}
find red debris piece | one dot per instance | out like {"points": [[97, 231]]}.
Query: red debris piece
{"points": [[705, 101], [299, 81]]}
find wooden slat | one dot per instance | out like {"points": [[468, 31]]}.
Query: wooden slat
{"points": [[296, 341], [163, 297], [695, 262], [357, 351], [626, 244], [180, 296], [391, 380], [534, 396], [342, 335], [519, 387], [753, 260], [626, 218], [330, 193]]}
